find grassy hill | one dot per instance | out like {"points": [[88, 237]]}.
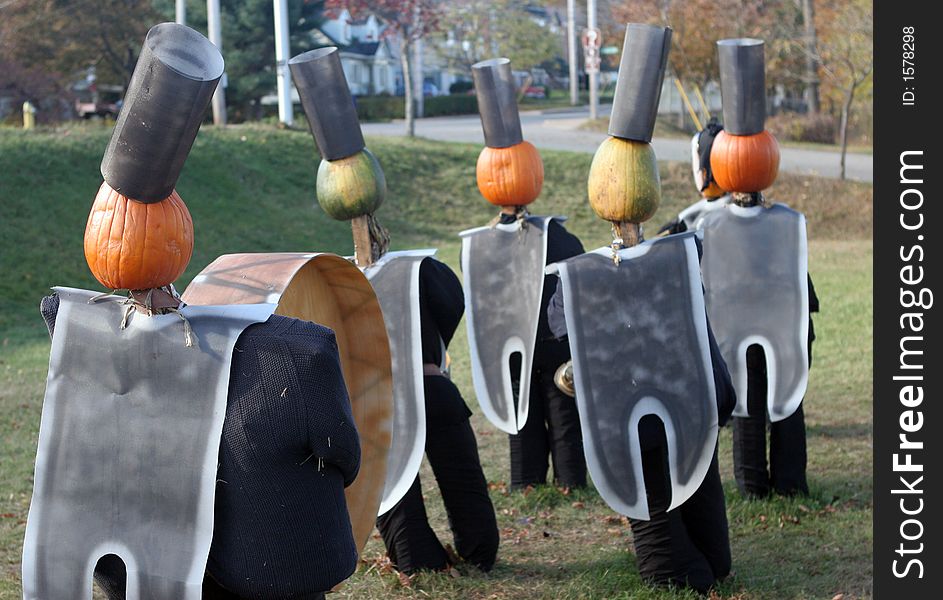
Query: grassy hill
{"points": [[251, 189]]}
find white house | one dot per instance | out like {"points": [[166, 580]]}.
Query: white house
{"points": [[368, 61]]}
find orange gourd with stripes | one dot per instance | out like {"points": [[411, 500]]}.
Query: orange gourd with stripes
{"points": [[137, 246], [745, 163], [511, 176]]}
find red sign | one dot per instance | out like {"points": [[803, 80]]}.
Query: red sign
{"points": [[592, 40]]}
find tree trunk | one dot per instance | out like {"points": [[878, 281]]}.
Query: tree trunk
{"points": [[845, 112], [405, 50], [811, 93]]}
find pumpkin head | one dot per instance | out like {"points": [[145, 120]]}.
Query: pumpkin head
{"points": [[136, 246], [511, 176], [351, 187], [623, 181], [745, 163]]}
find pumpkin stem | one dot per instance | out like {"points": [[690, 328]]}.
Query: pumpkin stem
{"points": [[748, 199], [624, 235], [371, 240], [363, 254], [379, 238], [155, 300], [158, 301]]}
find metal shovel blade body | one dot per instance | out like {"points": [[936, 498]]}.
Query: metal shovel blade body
{"points": [[395, 280], [128, 447], [756, 275], [503, 274], [638, 337]]}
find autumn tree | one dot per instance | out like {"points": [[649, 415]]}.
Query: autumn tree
{"points": [[406, 22], [482, 29], [845, 53], [63, 37], [810, 41]]}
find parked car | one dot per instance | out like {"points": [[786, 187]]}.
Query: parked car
{"points": [[98, 101]]}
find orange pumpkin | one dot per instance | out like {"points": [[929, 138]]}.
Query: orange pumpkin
{"points": [[136, 246], [745, 163], [511, 176]]}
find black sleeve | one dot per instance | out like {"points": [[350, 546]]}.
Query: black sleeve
{"points": [[441, 305], [332, 434], [723, 386], [673, 226], [49, 308], [555, 317], [561, 244], [813, 298]]}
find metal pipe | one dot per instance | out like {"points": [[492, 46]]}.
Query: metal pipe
{"points": [[181, 11], [215, 35], [571, 50], [593, 77], [283, 76]]}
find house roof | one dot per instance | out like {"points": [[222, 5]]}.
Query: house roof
{"points": [[364, 48], [321, 39]]}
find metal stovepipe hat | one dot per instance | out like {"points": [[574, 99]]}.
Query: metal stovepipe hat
{"points": [[497, 102], [325, 97], [638, 89], [171, 87], [743, 85]]}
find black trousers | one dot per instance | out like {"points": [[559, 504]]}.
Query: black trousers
{"points": [[111, 577], [786, 474], [552, 430], [453, 454], [688, 546]]}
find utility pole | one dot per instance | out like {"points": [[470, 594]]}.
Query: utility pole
{"points": [[811, 91], [571, 50], [418, 79], [181, 14], [283, 76], [593, 75], [216, 36]]}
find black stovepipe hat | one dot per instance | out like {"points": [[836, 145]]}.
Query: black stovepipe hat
{"points": [[497, 102], [638, 88], [325, 97], [743, 85], [171, 87]]}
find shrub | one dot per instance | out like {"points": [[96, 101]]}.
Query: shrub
{"points": [[795, 127], [384, 108], [440, 106], [461, 87], [380, 108]]}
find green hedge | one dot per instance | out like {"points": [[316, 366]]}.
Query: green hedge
{"points": [[384, 108], [456, 104], [380, 108]]}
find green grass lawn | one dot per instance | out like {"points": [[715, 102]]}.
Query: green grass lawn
{"points": [[251, 189]]}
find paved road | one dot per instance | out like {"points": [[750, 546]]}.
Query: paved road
{"points": [[559, 130]]}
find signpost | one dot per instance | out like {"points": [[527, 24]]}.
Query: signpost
{"points": [[592, 41]]}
